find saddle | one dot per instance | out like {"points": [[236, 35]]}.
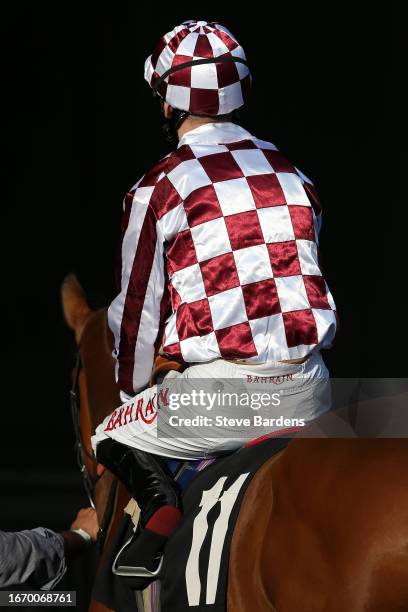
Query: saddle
{"points": [[198, 551]]}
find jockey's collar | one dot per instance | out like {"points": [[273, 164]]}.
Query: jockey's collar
{"points": [[216, 132]]}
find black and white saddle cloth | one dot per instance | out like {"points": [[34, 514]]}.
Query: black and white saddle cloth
{"points": [[195, 569]]}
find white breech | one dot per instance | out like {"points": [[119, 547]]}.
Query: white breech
{"points": [[300, 393]]}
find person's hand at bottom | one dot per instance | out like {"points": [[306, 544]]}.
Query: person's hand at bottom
{"points": [[83, 531]]}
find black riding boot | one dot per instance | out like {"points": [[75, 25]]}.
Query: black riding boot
{"points": [[151, 484]]}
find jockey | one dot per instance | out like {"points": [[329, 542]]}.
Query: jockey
{"points": [[219, 271]]}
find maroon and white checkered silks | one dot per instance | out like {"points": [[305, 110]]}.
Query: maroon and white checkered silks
{"points": [[203, 89], [220, 251]]}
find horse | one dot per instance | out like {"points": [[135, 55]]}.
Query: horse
{"points": [[323, 525]]}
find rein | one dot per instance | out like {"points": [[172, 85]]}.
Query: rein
{"points": [[81, 452], [79, 448]]}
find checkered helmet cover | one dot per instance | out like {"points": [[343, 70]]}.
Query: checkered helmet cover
{"points": [[213, 82]]}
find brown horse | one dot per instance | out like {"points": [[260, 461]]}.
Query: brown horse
{"points": [[323, 526]]}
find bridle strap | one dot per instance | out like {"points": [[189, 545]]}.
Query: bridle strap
{"points": [[210, 60]]}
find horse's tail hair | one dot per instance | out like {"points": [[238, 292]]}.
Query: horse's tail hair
{"points": [[75, 305]]}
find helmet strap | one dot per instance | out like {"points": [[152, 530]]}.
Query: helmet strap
{"points": [[171, 125]]}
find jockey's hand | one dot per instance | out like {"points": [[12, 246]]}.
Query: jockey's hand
{"points": [[87, 520]]}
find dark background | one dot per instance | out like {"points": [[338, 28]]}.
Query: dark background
{"points": [[84, 127]]}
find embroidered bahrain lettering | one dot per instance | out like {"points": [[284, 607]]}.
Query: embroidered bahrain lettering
{"points": [[135, 410], [209, 499], [274, 380]]}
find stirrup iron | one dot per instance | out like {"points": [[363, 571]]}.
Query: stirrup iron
{"points": [[134, 571]]}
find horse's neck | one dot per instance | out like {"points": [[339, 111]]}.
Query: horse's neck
{"points": [[99, 367]]}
